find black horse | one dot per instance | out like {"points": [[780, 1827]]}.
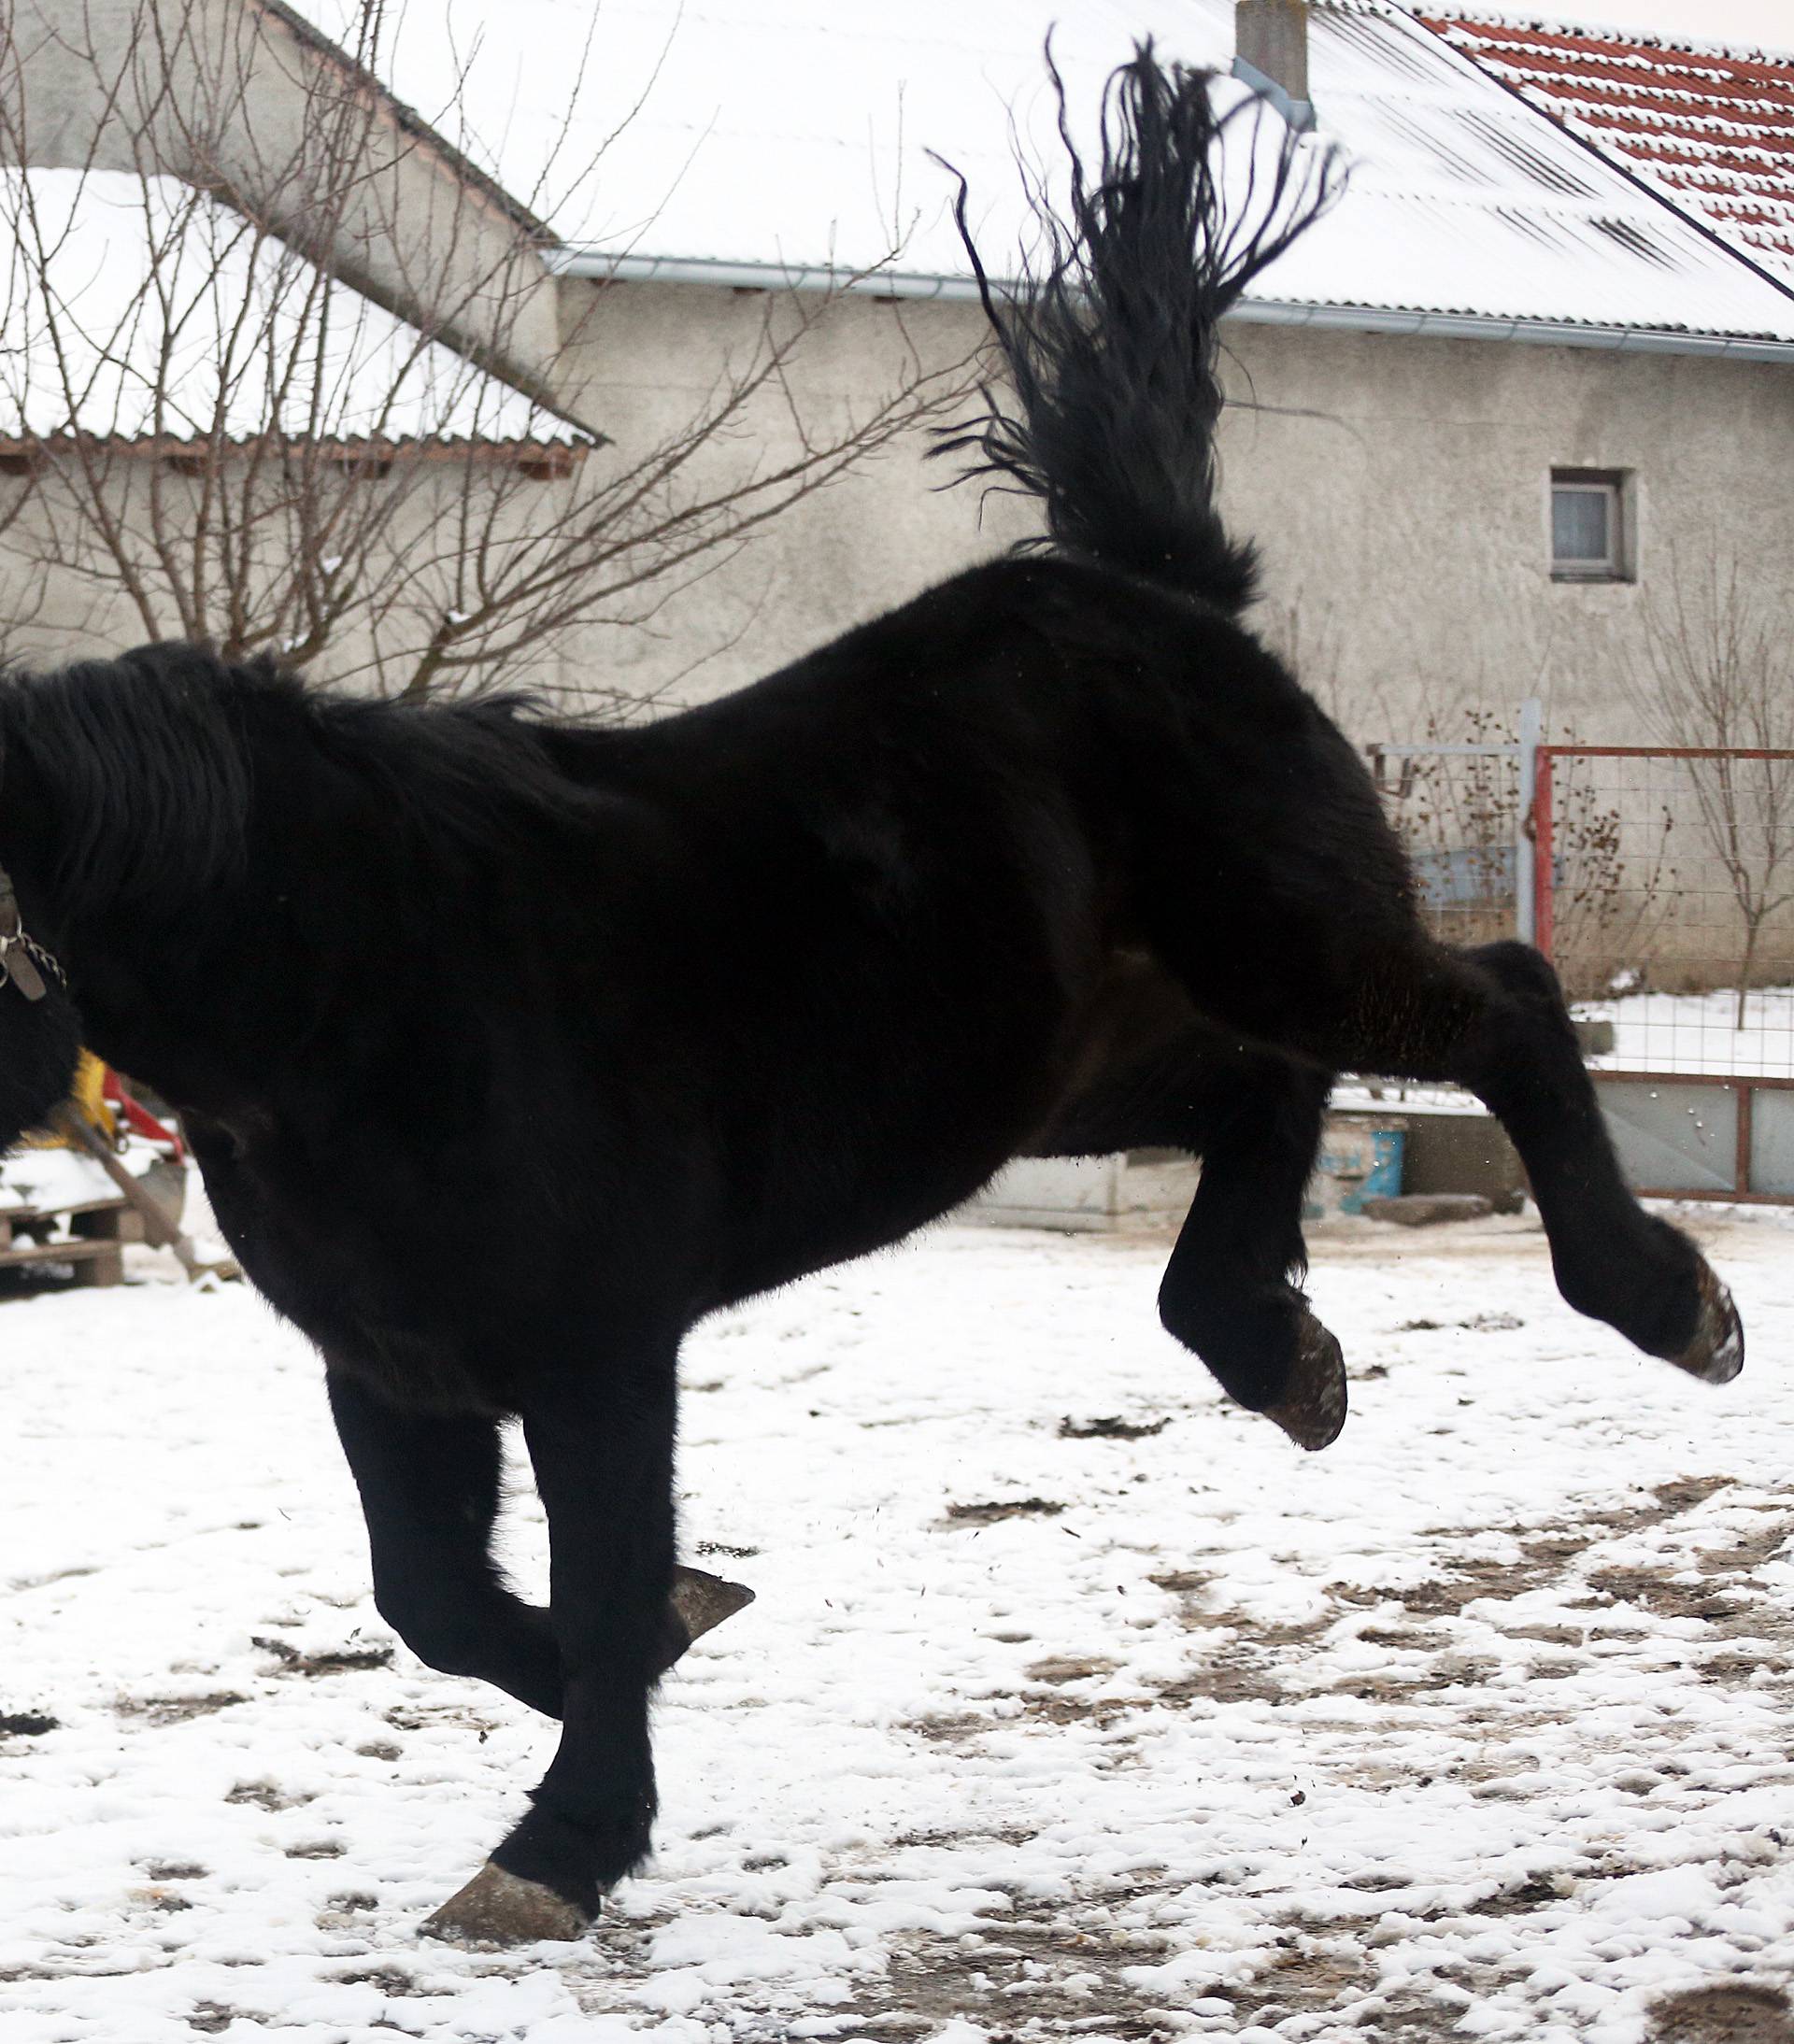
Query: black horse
{"points": [[509, 1050]]}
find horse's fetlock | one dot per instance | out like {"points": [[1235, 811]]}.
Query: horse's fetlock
{"points": [[580, 1856]]}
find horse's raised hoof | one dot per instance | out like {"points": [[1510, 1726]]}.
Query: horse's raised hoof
{"points": [[699, 1604], [1312, 1410], [704, 1601], [500, 1908], [1716, 1353]]}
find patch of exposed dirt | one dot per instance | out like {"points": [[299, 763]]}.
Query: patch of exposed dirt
{"points": [[1724, 2015], [1058, 1668], [1651, 1591], [331, 1661], [266, 1795], [1299, 1982], [996, 1835], [1012, 1508], [210, 2018], [391, 1981], [1111, 1429], [1027, 1979], [949, 1727], [28, 1723], [165, 1901], [1181, 1581], [1749, 1551], [415, 1717], [1539, 1893], [176, 1710], [1547, 1554], [1478, 1323]]}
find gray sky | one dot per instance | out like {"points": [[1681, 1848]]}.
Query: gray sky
{"points": [[1767, 24]]}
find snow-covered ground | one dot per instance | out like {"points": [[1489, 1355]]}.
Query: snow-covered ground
{"points": [[1075, 1702], [1700, 1032]]}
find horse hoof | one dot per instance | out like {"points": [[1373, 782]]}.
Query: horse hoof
{"points": [[704, 1601], [1716, 1353], [1312, 1410], [500, 1908]]}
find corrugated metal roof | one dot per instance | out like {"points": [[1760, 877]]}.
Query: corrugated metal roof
{"points": [[1712, 127], [794, 133], [312, 359]]}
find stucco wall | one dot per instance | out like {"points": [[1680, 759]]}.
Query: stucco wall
{"points": [[1399, 488]]}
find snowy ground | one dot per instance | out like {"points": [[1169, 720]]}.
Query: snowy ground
{"points": [[1075, 1702], [1700, 1032]]}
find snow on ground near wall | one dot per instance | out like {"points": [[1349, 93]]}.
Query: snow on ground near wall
{"points": [[1481, 1717]]}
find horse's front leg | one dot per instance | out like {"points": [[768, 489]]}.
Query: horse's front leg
{"points": [[601, 1443], [429, 1485], [1232, 1290]]}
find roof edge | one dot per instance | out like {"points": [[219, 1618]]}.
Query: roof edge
{"points": [[911, 284], [406, 117]]}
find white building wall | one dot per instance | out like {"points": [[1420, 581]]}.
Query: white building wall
{"points": [[1397, 487]]}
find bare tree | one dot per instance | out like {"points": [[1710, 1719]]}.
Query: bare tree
{"points": [[281, 371], [1722, 680]]}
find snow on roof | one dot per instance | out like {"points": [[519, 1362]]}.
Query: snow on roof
{"points": [[1712, 127], [140, 309], [795, 134]]}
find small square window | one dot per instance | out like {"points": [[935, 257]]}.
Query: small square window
{"points": [[1589, 536]]}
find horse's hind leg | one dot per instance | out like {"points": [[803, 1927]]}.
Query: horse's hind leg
{"points": [[1494, 1022], [1612, 1259], [1232, 1290]]}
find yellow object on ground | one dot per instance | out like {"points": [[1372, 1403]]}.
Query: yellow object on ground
{"points": [[86, 1096]]}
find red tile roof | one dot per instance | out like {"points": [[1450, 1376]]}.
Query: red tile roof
{"points": [[1713, 128]]}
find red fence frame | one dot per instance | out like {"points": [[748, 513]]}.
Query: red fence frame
{"points": [[1541, 827]]}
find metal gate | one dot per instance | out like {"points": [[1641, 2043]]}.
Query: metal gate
{"points": [[1663, 891]]}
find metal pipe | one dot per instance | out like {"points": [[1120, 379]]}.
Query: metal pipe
{"points": [[1526, 900]]}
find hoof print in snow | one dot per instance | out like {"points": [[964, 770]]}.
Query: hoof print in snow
{"points": [[500, 1908]]}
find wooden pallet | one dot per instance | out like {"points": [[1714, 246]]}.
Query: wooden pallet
{"points": [[95, 1234]]}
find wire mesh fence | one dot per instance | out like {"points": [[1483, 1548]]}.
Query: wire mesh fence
{"points": [[1456, 805], [1665, 898], [1660, 883]]}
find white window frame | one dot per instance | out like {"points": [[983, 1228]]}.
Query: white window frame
{"points": [[1614, 567]]}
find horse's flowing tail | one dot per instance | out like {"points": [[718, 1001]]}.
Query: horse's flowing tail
{"points": [[1112, 334]]}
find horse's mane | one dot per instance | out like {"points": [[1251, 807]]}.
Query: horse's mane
{"points": [[152, 762]]}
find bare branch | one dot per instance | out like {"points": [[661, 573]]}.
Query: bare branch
{"points": [[218, 419]]}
